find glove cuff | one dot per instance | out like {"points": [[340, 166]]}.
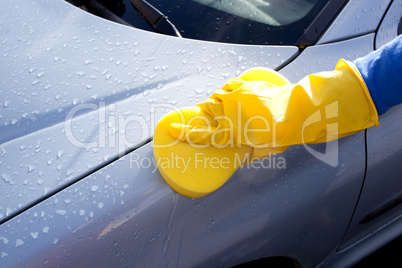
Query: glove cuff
{"points": [[353, 69]]}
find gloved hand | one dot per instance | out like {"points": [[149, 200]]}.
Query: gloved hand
{"points": [[272, 115]]}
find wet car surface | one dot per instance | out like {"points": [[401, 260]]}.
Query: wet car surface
{"points": [[80, 98]]}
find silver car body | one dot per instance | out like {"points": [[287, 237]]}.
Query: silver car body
{"points": [[79, 186]]}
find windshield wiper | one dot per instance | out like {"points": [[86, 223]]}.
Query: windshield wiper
{"points": [[98, 9], [158, 21]]}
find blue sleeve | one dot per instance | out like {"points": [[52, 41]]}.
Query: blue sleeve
{"points": [[382, 72]]}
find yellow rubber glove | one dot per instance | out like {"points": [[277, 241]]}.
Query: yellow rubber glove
{"points": [[270, 115]]}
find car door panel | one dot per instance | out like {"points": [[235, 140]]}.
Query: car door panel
{"points": [[381, 198]]}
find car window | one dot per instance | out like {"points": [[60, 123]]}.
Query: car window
{"points": [[271, 12], [260, 22]]}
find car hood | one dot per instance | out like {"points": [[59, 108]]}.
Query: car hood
{"points": [[78, 92]]}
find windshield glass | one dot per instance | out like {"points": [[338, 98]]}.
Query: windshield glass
{"points": [[260, 22], [270, 12]]}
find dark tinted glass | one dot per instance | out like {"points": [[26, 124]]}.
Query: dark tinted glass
{"points": [[262, 22]]}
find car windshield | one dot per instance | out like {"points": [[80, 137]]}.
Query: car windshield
{"points": [[260, 22]]}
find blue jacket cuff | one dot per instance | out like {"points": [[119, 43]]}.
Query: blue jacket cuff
{"points": [[382, 72]]}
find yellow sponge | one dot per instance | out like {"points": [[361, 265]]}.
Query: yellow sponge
{"points": [[189, 169]]}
